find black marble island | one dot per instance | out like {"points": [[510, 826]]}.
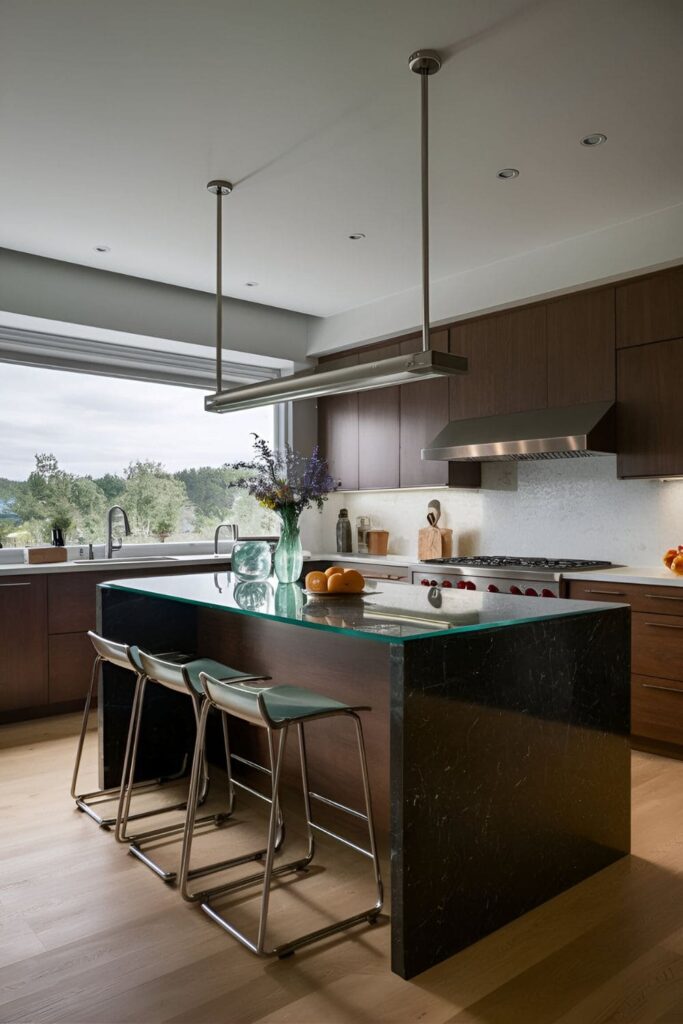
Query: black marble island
{"points": [[497, 743]]}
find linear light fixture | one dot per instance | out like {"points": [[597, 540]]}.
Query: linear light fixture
{"points": [[380, 373]]}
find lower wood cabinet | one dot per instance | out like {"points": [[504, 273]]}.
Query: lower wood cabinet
{"points": [[23, 642], [71, 657], [656, 659]]}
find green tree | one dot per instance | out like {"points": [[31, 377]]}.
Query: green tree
{"points": [[111, 485], [153, 499]]}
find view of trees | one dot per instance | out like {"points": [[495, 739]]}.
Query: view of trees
{"points": [[186, 505]]}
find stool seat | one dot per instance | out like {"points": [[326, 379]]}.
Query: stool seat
{"points": [[282, 704], [184, 675]]}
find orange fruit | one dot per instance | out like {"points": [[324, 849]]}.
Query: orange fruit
{"points": [[677, 565], [669, 557], [349, 582], [333, 569], [316, 582]]}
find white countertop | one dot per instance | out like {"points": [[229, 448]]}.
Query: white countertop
{"points": [[336, 556], [130, 565], [647, 575]]}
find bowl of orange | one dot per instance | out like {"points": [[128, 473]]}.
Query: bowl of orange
{"points": [[673, 560], [334, 582]]}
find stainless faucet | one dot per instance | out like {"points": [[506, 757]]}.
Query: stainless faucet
{"points": [[111, 545], [234, 531]]}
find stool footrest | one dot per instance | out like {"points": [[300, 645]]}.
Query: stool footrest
{"points": [[338, 806], [341, 839], [243, 883]]}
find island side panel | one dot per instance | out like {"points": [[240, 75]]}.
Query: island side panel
{"points": [[344, 667], [510, 775], [168, 726]]}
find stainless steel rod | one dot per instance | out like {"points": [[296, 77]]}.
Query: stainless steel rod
{"points": [[219, 290], [424, 179]]}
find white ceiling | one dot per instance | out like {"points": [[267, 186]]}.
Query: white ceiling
{"points": [[113, 116]]}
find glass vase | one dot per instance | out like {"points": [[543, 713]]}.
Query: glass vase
{"points": [[288, 559]]}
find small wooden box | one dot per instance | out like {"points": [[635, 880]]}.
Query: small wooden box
{"points": [[43, 556]]}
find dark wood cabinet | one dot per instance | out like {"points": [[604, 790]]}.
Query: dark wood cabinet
{"points": [[23, 642], [581, 348], [71, 658], [650, 308], [423, 413], [338, 429], [378, 428], [508, 364], [650, 410]]}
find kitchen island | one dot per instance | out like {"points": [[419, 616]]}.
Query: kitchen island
{"points": [[498, 741]]}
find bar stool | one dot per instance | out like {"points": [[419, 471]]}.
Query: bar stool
{"points": [[275, 709], [182, 678], [126, 657]]}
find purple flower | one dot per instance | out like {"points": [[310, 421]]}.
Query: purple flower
{"points": [[285, 480]]}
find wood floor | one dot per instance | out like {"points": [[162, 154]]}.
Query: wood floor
{"points": [[88, 935]]}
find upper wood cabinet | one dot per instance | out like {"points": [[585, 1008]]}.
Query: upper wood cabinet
{"points": [[378, 428], [650, 410], [581, 348], [508, 365], [423, 413], [650, 309], [338, 429], [23, 642]]}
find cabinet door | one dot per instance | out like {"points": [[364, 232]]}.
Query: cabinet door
{"points": [[23, 642], [581, 349], [423, 413], [338, 430], [71, 660], [508, 364], [650, 309], [650, 410], [378, 429]]}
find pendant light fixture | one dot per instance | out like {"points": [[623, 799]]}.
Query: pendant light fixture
{"points": [[426, 364]]}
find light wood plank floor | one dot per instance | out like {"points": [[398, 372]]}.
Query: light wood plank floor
{"points": [[88, 935]]}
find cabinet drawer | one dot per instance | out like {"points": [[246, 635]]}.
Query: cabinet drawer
{"points": [[657, 709], [658, 646], [71, 657], [642, 598], [71, 601]]}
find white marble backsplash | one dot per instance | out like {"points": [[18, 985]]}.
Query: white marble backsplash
{"points": [[572, 508]]}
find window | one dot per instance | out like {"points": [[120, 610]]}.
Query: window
{"points": [[73, 444]]}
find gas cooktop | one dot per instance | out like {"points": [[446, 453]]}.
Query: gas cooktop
{"points": [[510, 562]]}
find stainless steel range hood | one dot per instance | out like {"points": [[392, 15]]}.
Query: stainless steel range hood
{"points": [[574, 432]]}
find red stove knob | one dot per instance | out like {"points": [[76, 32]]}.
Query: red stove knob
{"points": [[425, 583], [433, 583], [493, 589], [515, 590], [461, 585], [547, 593], [446, 583], [470, 585], [530, 592]]}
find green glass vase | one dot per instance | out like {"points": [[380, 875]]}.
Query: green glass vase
{"points": [[288, 559]]}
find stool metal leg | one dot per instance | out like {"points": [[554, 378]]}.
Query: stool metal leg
{"points": [[370, 915]]}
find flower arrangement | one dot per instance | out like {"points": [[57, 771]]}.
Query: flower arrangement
{"points": [[286, 482]]}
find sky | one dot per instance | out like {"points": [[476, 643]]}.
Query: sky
{"points": [[97, 425]]}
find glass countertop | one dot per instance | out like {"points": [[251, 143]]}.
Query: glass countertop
{"points": [[388, 612]]}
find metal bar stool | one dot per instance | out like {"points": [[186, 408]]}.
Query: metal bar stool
{"points": [[182, 678], [126, 657], [276, 709]]}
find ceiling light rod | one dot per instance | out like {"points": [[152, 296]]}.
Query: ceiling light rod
{"points": [[424, 63], [219, 188]]}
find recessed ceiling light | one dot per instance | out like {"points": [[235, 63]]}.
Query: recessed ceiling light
{"points": [[102, 248], [596, 139], [508, 172], [355, 237], [251, 284]]}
